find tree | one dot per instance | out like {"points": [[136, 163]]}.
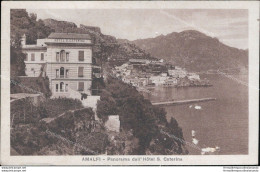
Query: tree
{"points": [[22, 23], [107, 106], [17, 62], [174, 129]]}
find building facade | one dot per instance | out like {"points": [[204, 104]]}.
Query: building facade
{"points": [[65, 58]]}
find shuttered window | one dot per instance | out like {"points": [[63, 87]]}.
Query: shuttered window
{"points": [[81, 86], [57, 87], [66, 87], [67, 57], [80, 72], [57, 73], [57, 56], [81, 55], [42, 56], [32, 57], [67, 73]]}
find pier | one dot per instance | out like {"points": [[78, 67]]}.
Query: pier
{"points": [[175, 102]]}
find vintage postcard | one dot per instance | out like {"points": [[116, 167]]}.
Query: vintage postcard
{"points": [[130, 83]]}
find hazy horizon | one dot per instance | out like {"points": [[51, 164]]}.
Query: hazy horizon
{"points": [[229, 26]]}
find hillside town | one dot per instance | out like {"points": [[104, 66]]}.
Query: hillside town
{"points": [[151, 73]]}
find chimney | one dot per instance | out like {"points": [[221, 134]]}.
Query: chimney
{"points": [[23, 40]]}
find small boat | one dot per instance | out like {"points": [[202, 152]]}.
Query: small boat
{"points": [[195, 141], [197, 107], [209, 150], [193, 133]]}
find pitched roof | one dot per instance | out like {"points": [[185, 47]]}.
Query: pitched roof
{"points": [[68, 36]]}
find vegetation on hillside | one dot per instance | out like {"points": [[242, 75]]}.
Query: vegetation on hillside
{"points": [[56, 106], [24, 111], [30, 135], [30, 85]]}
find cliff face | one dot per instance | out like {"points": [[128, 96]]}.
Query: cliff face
{"points": [[194, 51]]}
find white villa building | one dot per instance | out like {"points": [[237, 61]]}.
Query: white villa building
{"points": [[65, 58]]}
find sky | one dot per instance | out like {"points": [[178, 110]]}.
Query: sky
{"points": [[229, 26]]}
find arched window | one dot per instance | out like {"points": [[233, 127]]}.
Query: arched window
{"points": [[62, 56], [57, 87], [62, 72], [61, 87]]}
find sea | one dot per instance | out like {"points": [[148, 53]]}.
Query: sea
{"points": [[219, 123]]}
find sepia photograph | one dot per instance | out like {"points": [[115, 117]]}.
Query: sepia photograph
{"points": [[108, 84]]}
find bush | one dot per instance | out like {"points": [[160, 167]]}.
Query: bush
{"points": [[106, 106], [68, 124], [29, 139], [57, 106], [24, 111], [36, 137]]}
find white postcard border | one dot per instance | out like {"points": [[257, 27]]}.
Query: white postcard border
{"points": [[250, 159]]}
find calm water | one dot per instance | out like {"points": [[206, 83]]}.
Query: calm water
{"points": [[222, 123]]}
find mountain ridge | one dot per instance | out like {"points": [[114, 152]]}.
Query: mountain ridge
{"points": [[194, 51]]}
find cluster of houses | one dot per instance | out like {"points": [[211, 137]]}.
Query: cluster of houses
{"points": [[129, 73]]}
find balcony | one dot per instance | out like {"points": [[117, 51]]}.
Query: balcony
{"points": [[80, 75], [62, 76]]}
